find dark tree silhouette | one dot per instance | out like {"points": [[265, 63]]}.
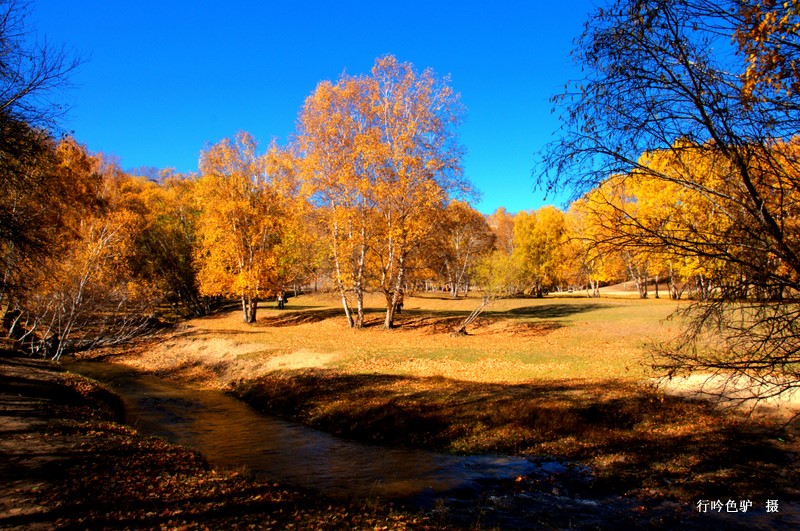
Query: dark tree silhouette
{"points": [[668, 76]]}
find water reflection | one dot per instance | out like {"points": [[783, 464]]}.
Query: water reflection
{"points": [[231, 434]]}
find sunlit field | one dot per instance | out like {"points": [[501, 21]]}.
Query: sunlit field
{"points": [[513, 341], [564, 377]]}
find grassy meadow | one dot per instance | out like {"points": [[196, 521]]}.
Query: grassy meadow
{"points": [[514, 340], [562, 377]]}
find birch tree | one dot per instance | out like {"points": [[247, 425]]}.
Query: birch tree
{"points": [[381, 154], [242, 222], [332, 130], [415, 163]]}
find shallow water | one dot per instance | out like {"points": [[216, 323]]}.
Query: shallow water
{"points": [[231, 434]]}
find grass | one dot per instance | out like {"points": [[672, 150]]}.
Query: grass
{"points": [[516, 339], [565, 377]]}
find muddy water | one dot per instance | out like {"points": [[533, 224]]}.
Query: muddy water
{"points": [[231, 434]]}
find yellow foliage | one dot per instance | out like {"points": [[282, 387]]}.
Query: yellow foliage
{"points": [[245, 199]]}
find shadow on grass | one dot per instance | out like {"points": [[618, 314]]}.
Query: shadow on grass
{"points": [[445, 321], [553, 311], [293, 316], [433, 321], [637, 440]]}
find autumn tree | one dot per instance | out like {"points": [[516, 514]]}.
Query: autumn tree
{"points": [[664, 76], [499, 271], [613, 230], [540, 238], [27, 223], [61, 187], [768, 34], [165, 253], [244, 214], [299, 252], [592, 259], [414, 159], [462, 238], [332, 130], [31, 76], [381, 154], [87, 292], [502, 224]]}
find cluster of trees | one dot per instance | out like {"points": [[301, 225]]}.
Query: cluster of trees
{"points": [[365, 197], [380, 157], [97, 250], [680, 145]]}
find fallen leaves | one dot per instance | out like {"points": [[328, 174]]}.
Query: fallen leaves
{"points": [[81, 471]]}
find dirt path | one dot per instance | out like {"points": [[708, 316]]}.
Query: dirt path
{"points": [[739, 393]]}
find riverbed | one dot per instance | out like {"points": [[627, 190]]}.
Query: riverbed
{"points": [[231, 434]]}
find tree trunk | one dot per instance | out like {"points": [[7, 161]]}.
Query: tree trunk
{"points": [[395, 296], [359, 320], [388, 322], [347, 313], [339, 282], [359, 282], [595, 286], [461, 330], [673, 288], [249, 308], [640, 280]]}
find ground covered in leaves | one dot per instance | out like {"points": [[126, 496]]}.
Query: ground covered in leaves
{"points": [[553, 380], [65, 462]]}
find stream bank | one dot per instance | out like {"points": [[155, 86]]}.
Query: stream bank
{"points": [[98, 467], [66, 462], [549, 494]]}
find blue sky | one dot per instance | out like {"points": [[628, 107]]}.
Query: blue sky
{"points": [[165, 79]]}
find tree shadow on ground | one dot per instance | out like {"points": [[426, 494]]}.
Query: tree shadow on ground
{"points": [[636, 439], [554, 310], [435, 323], [438, 321], [296, 317]]}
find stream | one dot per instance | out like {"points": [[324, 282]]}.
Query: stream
{"points": [[473, 488], [231, 434]]}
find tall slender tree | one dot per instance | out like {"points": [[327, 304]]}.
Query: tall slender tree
{"points": [[415, 160], [381, 153], [331, 137]]}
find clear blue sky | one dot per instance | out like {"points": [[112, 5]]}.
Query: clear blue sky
{"points": [[164, 79]]}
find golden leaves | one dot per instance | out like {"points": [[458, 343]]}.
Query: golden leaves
{"points": [[246, 201], [379, 153], [766, 36]]}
